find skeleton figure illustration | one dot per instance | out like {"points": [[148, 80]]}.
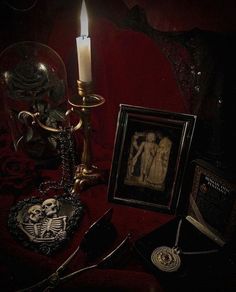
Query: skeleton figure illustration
{"points": [[44, 224], [53, 227], [147, 150], [32, 227], [148, 160]]}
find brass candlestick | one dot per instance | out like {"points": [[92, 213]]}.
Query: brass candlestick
{"points": [[86, 173]]}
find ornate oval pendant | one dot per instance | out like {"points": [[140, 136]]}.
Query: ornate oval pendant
{"points": [[166, 259]]}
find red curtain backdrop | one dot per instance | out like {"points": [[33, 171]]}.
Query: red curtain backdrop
{"points": [[182, 15]]}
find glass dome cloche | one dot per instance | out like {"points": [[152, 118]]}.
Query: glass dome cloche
{"points": [[33, 78]]}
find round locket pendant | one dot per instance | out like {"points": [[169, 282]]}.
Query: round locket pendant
{"points": [[166, 259]]}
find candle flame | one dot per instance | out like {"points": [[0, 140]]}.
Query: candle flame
{"points": [[83, 20]]}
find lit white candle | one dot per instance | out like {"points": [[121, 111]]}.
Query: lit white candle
{"points": [[83, 44]]}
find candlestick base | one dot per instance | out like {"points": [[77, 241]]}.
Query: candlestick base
{"points": [[86, 173], [86, 177]]}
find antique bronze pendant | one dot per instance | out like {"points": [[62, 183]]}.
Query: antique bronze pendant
{"points": [[166, 259]]}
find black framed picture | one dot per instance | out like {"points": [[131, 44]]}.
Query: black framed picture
{"points": [[212, 202], [150, 156]]}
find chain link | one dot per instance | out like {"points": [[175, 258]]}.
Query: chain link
{"points": [[67, 154]]}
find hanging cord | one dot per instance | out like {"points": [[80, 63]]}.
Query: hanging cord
{"points": [[67, 155], [24, 9], [177, 248]]}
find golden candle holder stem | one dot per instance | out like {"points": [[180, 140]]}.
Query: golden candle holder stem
{"points": [[86, 173]]}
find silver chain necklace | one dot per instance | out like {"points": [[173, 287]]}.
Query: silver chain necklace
{"points": [[167, 259]]}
